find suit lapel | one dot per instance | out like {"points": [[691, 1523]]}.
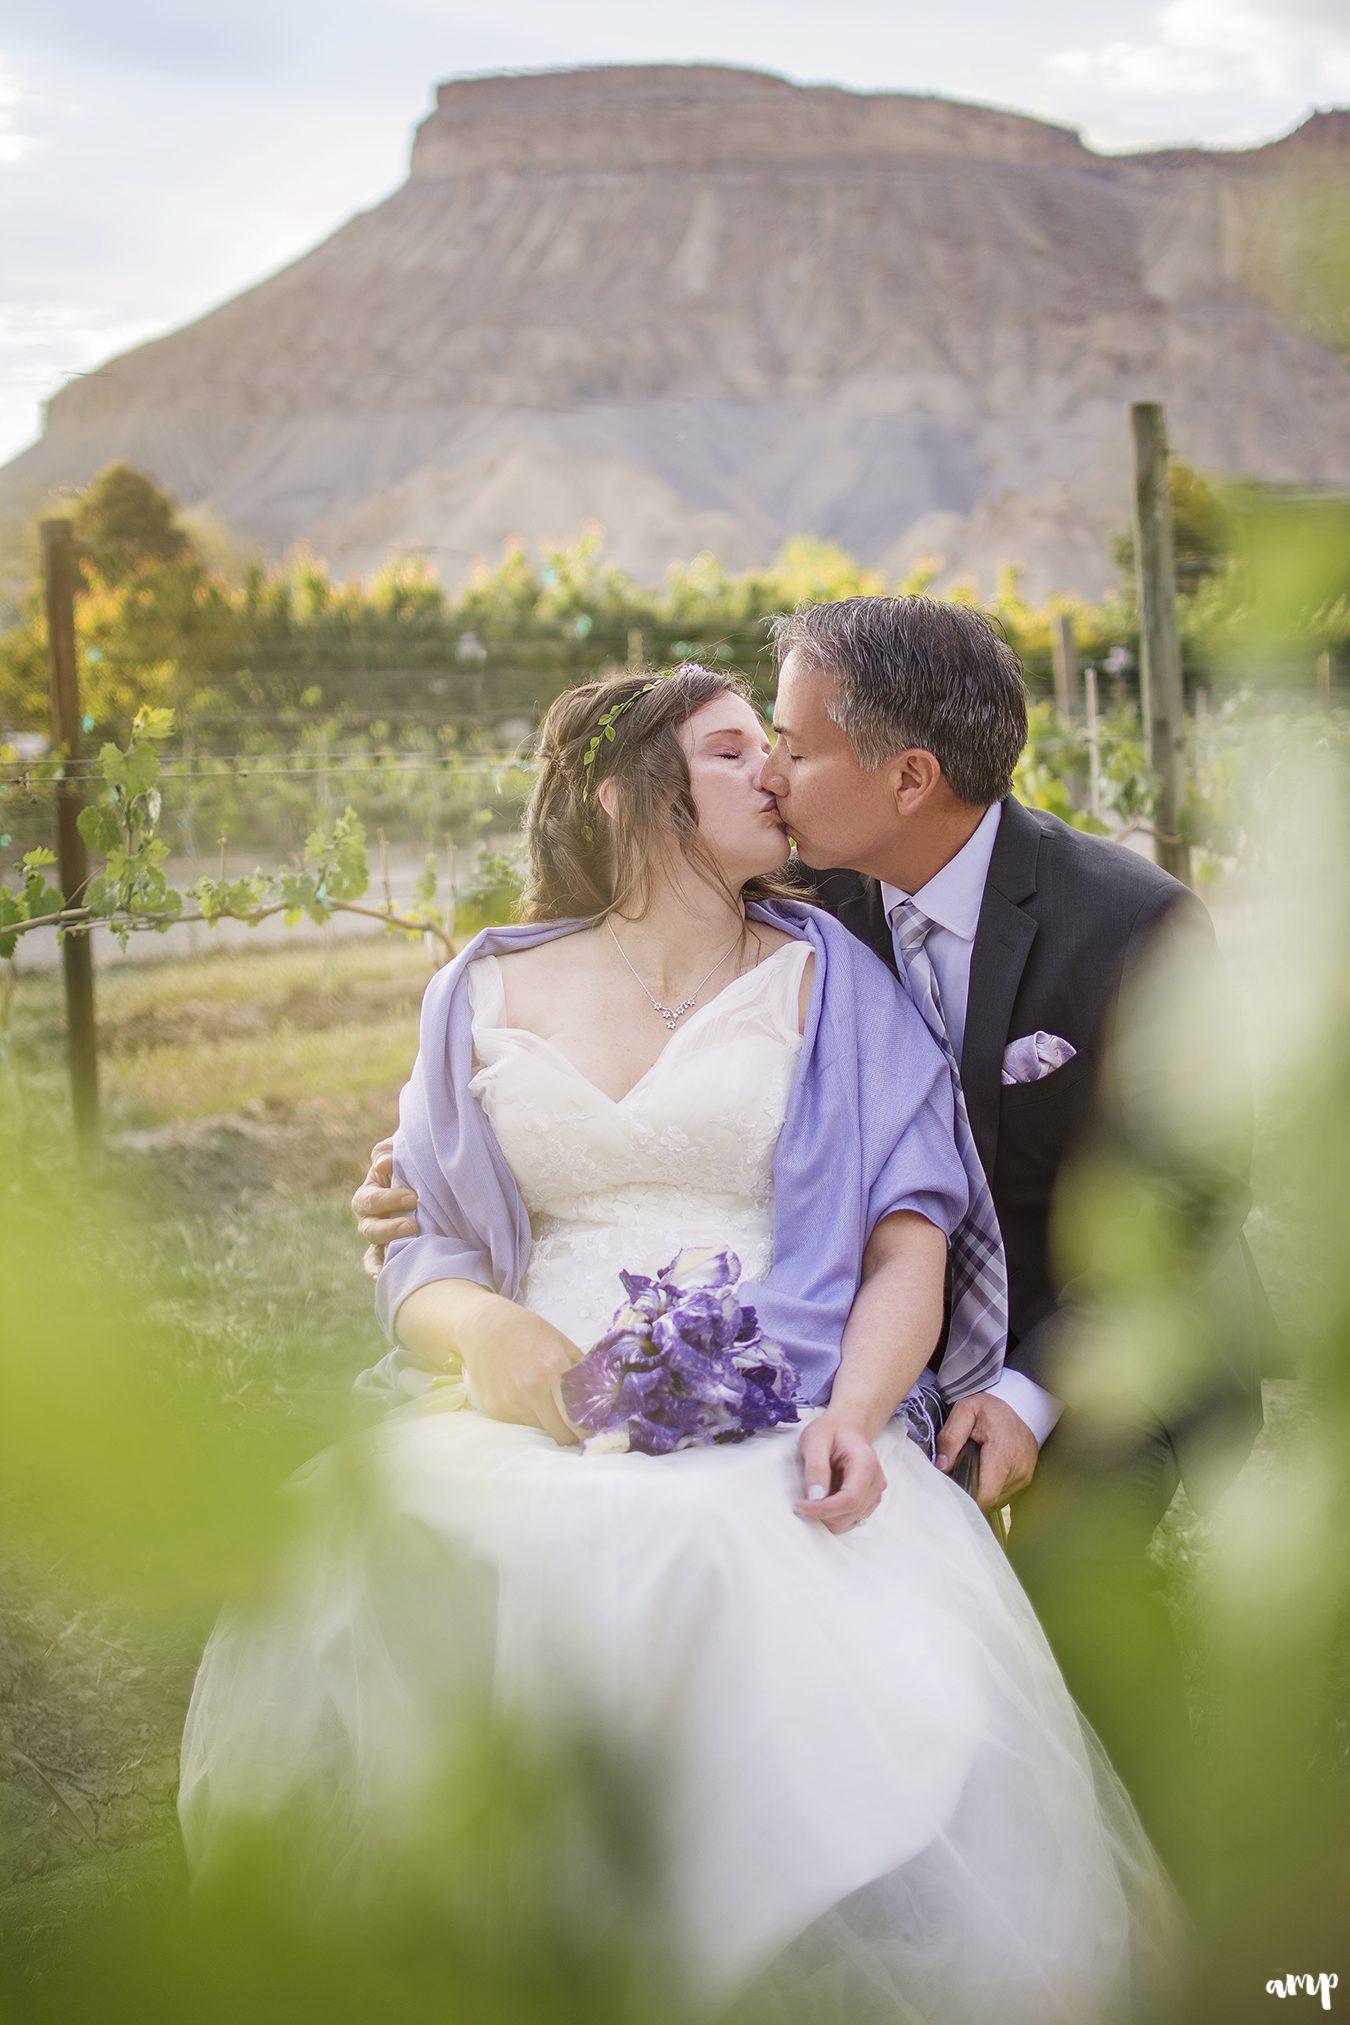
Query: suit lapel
{"points": [[856, 902], [1003, 937]]}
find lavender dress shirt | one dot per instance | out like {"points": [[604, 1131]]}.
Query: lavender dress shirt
{"points": [[952, 900]]}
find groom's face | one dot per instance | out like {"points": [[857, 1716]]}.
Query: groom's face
{"points": [[838, 812]]}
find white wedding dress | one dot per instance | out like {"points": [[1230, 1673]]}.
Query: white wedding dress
{"points": [[876, 1795]]}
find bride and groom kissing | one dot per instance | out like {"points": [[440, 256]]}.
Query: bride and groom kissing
{"points": [[863, 1074]]}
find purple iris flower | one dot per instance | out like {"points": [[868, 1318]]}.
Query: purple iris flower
{"points": [[683, 1364], [590, 1390], [700, 1266], [703, 1321], [645, 1299], [763, 1407], [632, 1342]]}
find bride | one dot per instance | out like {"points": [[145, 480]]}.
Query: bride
{"points": [[878, 1798]]}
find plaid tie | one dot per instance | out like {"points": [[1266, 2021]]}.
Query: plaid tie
{"points": [[977, 1332]]}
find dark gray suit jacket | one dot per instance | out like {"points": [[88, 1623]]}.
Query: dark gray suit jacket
{"points": [[1065, 919]]}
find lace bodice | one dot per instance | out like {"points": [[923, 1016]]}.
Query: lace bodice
{"points": [[685, 1158]]}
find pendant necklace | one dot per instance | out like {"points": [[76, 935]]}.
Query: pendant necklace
{"points": [[672, 1014]]}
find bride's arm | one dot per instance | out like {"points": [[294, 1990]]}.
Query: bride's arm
{"points": [[891, 1332], [512, 1358]]}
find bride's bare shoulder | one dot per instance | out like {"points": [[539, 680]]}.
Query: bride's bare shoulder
{"points": [[772, 940], [533, 978], [560, 956]]}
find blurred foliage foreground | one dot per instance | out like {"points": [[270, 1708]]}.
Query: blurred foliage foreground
{"points": [[525, 1885]]}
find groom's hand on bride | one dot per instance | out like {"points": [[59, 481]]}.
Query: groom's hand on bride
{"points": [[1008, 1449], [842, 1477], [382, 1211]]}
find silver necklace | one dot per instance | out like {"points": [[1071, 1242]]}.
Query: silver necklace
{"points": [[671, 1014]]}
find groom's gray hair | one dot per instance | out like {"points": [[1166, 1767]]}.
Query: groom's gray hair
{"points": [[918, 672]]}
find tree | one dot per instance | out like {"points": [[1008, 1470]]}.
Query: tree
{"points": [[1202, 533], [123, 521], [149, 623]]}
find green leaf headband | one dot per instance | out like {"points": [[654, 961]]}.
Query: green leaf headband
{"points": [[605, 730]]}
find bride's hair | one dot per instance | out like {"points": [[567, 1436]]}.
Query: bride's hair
{"points": [[580, 862]]}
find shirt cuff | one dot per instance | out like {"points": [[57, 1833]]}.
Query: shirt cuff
{"points": [[1028, 1400]]}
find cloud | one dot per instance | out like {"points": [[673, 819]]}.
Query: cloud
{"points": [[156, 35], [1273, 49], [14, 144]]}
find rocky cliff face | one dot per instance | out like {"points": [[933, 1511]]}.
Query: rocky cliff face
{"points": [[709, 309]]}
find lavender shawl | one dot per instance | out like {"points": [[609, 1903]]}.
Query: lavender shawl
{"points": [[868, 1130]]}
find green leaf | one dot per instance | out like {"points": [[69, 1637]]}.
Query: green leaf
{"points": [[98, 827], [39, 856], [426, 883], [10, 912], [141, 769], [152, 723]]}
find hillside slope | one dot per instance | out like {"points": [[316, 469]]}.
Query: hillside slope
{"points": [[709, 309]]}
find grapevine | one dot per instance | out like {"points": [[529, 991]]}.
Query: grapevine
{"points": [[130, 892]]}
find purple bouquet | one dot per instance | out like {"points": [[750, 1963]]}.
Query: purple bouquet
{"points": [[682, 1363]]}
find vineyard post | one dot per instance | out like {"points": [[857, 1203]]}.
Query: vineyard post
{"points": [[189, 822], [1094, 744], [1324, 678], [635, 645], [1065, 657], [1068, 691], [1159, 643], [77, 956]]}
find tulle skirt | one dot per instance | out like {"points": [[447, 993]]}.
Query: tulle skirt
{"points": [[874, 1794]]}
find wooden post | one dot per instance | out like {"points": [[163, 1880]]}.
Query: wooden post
{"points": [[635, 655], [77, 957], [1324, 678], [1094, 742], [189, 822], [1065, 655], [1159, 645]]}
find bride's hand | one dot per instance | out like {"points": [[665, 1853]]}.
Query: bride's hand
{"points": [[513, 1361], [842, 1475]]}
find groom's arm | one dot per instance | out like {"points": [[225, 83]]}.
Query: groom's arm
{"points": [[1035, 1406]]}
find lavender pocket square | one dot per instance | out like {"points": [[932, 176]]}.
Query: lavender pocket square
{"points": [[1034, 1056]]}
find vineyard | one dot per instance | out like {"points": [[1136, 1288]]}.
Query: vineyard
{"points": [[243, 717]]}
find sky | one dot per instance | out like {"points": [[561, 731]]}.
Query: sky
{"points": [[155, 158]]}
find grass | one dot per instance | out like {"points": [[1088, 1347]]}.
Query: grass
{"points": [[272, 1074], [277, 1066]]}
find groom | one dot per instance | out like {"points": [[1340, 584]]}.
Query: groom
{"points": [[899, 723]]}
